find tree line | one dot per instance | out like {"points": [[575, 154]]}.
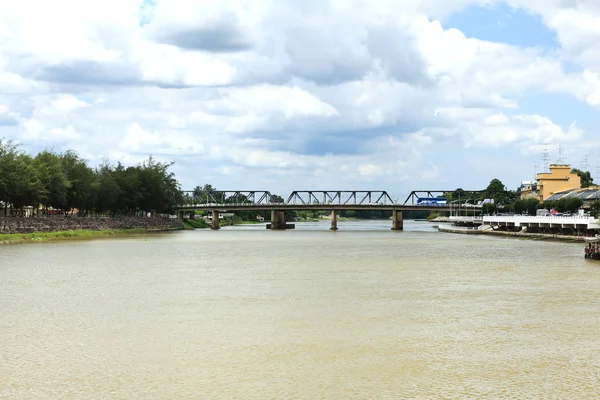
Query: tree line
{"points": [[65, 181]]}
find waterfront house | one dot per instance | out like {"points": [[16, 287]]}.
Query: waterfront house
{"points": [[559, 179]]}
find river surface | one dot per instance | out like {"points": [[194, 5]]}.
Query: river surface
{"points": [[246, 313]]}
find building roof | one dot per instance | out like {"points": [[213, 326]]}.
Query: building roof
{"points": [[585, 194]]}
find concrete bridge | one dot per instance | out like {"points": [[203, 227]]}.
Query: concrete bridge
{"points": [[313, 200]]}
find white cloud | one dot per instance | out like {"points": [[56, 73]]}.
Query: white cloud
{"points": [[369, 170], [336, 93], [63, 103]]}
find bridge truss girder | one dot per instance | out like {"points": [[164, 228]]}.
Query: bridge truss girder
{"points": [[343, 197], [232, 197]]}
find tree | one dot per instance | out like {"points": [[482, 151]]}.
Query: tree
{"points": [[81, 178], [586, 177], [66, 181], [106, 189], [488, 208], [277, 199], [494, 189], [595, 209], [569, 204], [53, 178], [208, 194], [531, 205]]}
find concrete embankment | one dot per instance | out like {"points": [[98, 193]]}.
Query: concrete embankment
{"points": [[459, 229], [522, 235], [439, 219], [17, 225]]}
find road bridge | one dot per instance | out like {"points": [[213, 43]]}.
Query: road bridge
{"points": [[217, 201]]}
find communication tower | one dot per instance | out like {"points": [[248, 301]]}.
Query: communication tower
{"points": [[546, 156], [584, 163], [560, 158]]}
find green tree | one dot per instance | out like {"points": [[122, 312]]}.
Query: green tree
{"points": [[106, 189], [595, 209], [53, 178], [586, 177], [532, 205], [81, 178]]}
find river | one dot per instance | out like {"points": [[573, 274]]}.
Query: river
{"points": [[364, 312]]}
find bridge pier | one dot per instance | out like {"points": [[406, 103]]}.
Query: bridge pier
{"points": [[215, 220], [397, 221], [334, 220], [277, 220]]}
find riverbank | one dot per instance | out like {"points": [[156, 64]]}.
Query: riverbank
{"points": [[190, 224], [521, 235], [19, 225], [36, 229], [10, 238]]}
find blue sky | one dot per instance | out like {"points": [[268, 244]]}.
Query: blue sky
{"points": [[307, 94], [503, 24]]}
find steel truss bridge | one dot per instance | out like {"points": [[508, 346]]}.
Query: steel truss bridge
{"points": [[240, 200], [216, 201]]}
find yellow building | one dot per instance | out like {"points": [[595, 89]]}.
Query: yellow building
{"points": [[557, 180]]}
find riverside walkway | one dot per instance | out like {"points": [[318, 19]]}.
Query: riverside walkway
{"points": [[526, 223]]}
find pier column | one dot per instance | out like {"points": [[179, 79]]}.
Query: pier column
{"points": [[215, 220], [277, 220], [334, 220], [397, 221]]}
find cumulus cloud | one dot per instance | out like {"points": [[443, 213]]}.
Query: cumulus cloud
{"points": [[286, 94]]}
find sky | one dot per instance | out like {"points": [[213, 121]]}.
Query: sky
{"points": [[286, 95]]}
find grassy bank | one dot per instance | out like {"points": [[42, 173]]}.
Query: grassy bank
{"points": [[195, 224], [65, 235]]}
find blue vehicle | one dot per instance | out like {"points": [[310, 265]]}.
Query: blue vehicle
{"points": [[431, 201]]}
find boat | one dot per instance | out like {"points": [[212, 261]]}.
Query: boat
{"points": [[592, 247]]}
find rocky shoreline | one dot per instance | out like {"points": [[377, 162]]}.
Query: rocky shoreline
{"points": [[16, 225]]}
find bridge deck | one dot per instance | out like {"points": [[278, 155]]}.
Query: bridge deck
{"points": [[314, 207]]}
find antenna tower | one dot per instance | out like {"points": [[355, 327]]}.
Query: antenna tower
{"points": [[584, 163], [560, 159], [546, 156]]}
